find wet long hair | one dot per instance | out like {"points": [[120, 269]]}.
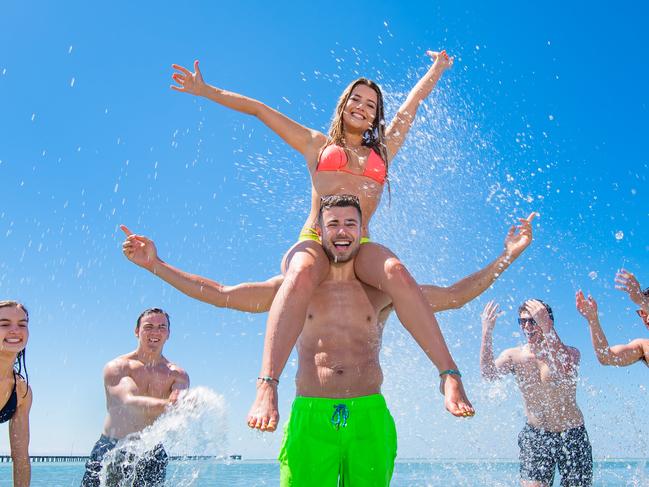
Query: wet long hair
{"points": [[20, 365], [374, 138]]}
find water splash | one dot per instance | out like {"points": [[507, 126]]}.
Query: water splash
{"points": [[195, 426]]}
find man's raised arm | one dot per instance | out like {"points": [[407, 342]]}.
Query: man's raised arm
{"points": [[492, 369], [620, 355], [627, 282], [457, 295], [252, 297]]}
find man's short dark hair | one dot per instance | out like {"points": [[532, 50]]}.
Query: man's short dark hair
{"points": [[646, 292], [153, 311], [339, 201], [522, 308]]}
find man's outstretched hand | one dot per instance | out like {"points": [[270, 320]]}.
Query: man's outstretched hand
{"points": [[519, 237], [139, 249]]}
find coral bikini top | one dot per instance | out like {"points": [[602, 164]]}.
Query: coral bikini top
{"points": [[334, 158]]}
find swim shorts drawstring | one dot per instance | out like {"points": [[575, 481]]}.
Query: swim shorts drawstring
{"points": [[340, 415]]}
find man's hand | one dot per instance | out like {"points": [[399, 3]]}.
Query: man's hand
{"points": [[586, 307], [174, 396], [627, 282], [188, 82], [441, 60], [139, 249], [539, 314], [489, 315], [519, 237]]}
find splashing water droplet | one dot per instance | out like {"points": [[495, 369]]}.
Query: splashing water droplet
{"points": [[550, 117], [619, 235], [72, 83], [592, 275]]}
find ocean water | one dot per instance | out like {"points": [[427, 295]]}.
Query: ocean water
{"points": [[408, 473]]}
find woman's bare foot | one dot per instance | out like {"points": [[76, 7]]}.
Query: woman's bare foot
{"points": [[264, 413]]}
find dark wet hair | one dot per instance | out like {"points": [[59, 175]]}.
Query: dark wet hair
{"points": [[19, 365], [154, 311], [339, 201], [522, 308], [646, 292]]}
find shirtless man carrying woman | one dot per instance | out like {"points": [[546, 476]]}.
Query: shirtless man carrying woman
{"points": [[352, 159]]}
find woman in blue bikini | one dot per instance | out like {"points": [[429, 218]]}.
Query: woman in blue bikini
{"points": [[15, 393]]}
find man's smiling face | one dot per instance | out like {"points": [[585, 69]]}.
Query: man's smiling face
{"points": [[341, 227]]}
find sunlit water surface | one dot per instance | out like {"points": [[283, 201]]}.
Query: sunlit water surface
{"points": [[411, 473]]}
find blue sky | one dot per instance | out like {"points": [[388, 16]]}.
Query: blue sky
{"points": [[545, 110]]}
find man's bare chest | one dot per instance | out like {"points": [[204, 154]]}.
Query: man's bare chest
{"points": [[155, 382]]}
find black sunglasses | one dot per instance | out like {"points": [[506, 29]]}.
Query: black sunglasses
{"points": [[524, 321]]}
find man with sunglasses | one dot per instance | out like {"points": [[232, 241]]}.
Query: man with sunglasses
{"points": [[620, 355], [546, 372]]}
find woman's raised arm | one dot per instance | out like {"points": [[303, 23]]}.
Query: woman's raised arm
{"points": [[397, 131], [303, 139]]}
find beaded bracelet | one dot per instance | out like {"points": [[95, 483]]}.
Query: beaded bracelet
{"points": [[450, 372], [268, 379]]}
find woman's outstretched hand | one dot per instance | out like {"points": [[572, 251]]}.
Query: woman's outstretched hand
{"points": [[441, 60], [188, 82]]}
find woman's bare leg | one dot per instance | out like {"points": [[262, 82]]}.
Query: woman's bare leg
{"points": [[305, 266], [379, 267]]}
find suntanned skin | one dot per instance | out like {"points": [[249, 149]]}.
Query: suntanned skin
{"points": [[305, 266], [358, 116], [14, 334], [142, 384], [256, 297], [339, 343], [625, 354], [545, 369]]}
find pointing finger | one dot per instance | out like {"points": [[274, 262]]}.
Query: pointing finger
{"points": [[125, 229]]}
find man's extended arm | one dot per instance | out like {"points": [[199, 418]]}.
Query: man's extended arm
{"points": [[252, 297], [457, 295], [620, 355]]}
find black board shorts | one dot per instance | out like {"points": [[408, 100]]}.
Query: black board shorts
{"points": [[148, 470], [542, 451]]}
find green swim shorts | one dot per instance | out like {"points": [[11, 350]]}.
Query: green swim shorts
{"points": [[338, 443]]}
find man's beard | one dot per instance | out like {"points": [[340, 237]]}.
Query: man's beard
{"points": [[333, 258]]}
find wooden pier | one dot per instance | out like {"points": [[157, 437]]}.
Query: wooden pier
{"points": [[83, 458]]}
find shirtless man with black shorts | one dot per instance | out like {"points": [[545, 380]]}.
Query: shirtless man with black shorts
{"points": [[140, 386], [546, 371]]}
